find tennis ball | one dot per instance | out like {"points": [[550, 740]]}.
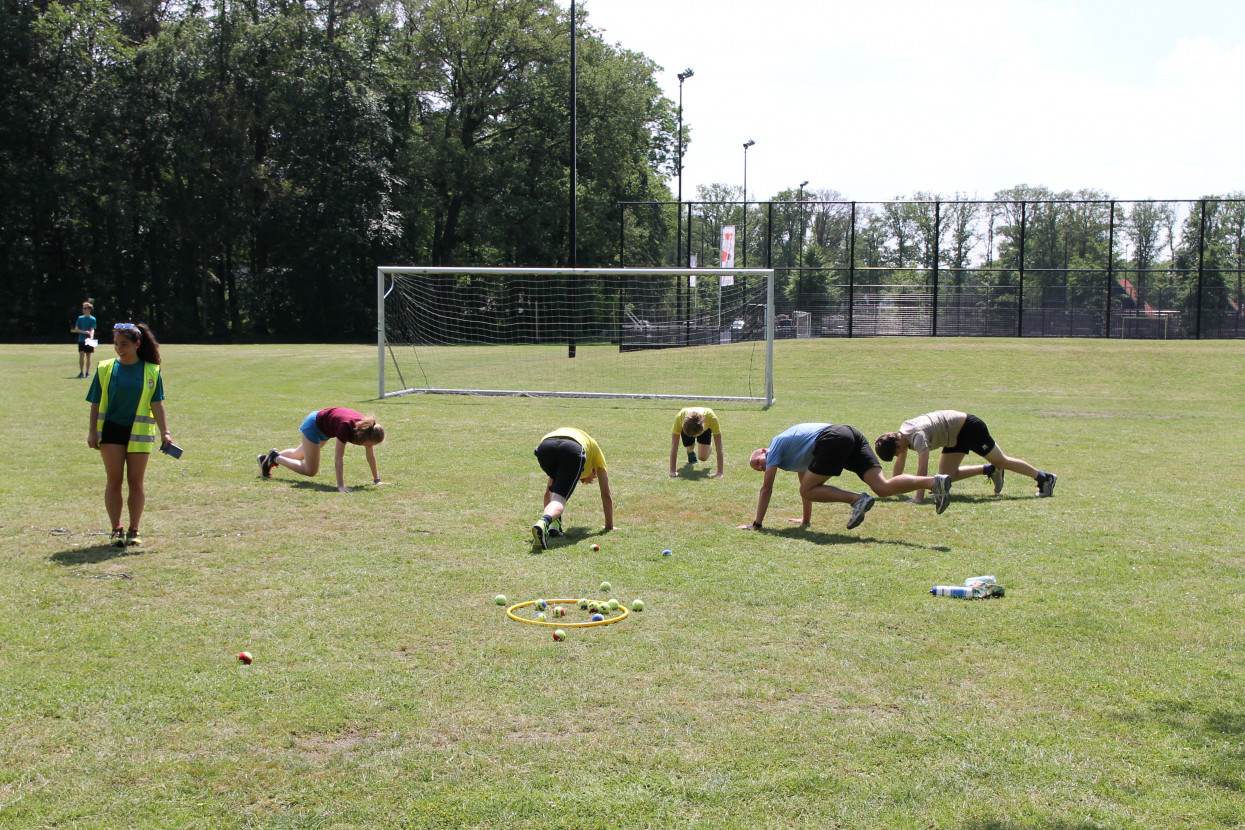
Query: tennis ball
{"points": [[541, 604], [583, 603], [605, 586], [612, 604], [559, 611], [637, 605], [594, 606], [245, 657], [666, 552], [540, 617], [559, 634], [597, 618], [596, 547], [500, 599]]}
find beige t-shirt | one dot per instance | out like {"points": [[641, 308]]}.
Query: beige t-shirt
{"points": [[934, 430]]}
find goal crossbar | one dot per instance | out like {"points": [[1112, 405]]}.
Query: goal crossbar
{"points": [[709, 336]]}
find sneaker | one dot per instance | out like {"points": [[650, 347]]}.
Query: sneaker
{"points": [[555, 527], [1046, 487], [942, 492], [859, 509], [996, 475], [266, 462], [691, 456], [540, 533], [132, 537], [117, 539]]}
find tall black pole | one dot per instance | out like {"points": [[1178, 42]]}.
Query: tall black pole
{"points": [[744, 238], [570, 346], [678, 260]]}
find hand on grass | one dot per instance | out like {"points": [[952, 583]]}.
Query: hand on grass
{"points": [[343, 489], [799, 522], [716, 475]]}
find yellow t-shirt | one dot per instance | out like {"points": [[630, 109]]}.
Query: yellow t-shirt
{"points": [[711, 420], [594, 459]]}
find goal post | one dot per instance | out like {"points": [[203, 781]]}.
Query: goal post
{"points": [[678, 333]]}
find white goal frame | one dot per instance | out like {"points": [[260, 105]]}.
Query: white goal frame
{"points": [[381, 342]]}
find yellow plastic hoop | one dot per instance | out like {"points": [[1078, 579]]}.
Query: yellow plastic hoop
{"points": [[510, 613]]}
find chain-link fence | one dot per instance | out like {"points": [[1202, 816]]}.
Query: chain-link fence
{"points": [[1134, 269]]}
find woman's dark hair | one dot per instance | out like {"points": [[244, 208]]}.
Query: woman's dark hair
{"points": [[886, 445], [148, 349]]}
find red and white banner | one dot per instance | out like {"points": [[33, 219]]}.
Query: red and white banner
{"points": [[728, 251]]}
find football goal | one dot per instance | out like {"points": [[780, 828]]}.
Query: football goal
{"points": [[680, 333]]}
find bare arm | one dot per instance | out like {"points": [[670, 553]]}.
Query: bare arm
{"points": [[371, 462], [674, 452], [157, 411], [763, 497], [922, 469], [607, 499], [92, 435], [717, 443], [339, 462]]}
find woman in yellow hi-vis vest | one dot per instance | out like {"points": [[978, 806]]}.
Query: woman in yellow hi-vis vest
{"points": [[127, 406]]}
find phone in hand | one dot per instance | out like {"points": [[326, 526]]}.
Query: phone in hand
{"points": [[171, 449]]}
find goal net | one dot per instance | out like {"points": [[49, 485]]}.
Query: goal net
{"points": [[684, 333]]}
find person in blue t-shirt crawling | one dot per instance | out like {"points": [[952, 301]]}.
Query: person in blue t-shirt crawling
{"points": [[818, 452]]}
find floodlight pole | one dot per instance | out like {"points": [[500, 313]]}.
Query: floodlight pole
{"points": [[574, 262], [683, 76], [747, 144], [799, 272]]}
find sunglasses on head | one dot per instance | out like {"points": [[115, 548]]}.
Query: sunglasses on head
{"points": [[121, 326]]}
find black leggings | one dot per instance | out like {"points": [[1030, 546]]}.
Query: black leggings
{"points": [[563, 460]]}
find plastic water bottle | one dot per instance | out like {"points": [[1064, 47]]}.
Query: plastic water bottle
{"points": [[957, 591]]}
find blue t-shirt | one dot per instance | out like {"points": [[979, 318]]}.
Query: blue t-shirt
{"points": [[85, 322], [125, 390], [793, 450]]}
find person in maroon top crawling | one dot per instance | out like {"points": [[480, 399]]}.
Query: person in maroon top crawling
{"points": [[346, 425]]}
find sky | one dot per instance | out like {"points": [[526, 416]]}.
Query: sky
{"points": [[885, 99]]}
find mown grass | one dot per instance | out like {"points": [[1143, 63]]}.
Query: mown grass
{"points": [[793, 678]]}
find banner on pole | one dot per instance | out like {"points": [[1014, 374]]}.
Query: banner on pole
{"points": [[728, 246]]}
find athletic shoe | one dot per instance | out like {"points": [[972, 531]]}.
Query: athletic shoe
{"points": [[996, 475], [266, 462], [1046, 487], [942, 492], [555, 527], [691, 456], [540, 533], [859, 509], [132, 538], [117, 539]]}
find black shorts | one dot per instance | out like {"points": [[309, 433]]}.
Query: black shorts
{"points": [[114, 433], [85, 349], [840, 448], [973, 437], [563, 461], [705, 438]]}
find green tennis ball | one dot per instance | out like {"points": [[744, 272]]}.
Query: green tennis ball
{"points": [[559, 634], [583, 603], [612, 604], [605, 586], [540, 617], [541, 604], [637, 605], [500, 599]]}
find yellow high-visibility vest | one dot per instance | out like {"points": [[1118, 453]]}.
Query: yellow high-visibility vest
{"points": [[143, 433]]}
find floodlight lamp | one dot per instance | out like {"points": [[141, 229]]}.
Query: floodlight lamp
{"points": [[748, 143], [804, 184], [685, 74]]}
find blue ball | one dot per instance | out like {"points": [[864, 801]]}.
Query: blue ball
{"points": [[597, 618], [666, 552]]}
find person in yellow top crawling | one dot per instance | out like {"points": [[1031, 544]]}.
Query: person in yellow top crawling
{"points": [[569, 456], [127, 406], [695, 425]]}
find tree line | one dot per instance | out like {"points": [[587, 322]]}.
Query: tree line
{"points": [[237, 169]]}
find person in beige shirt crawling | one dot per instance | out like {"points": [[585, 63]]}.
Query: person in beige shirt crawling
{"points": [[956, 434]]}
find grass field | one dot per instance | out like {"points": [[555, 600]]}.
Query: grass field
{"points": [[791, 678]]}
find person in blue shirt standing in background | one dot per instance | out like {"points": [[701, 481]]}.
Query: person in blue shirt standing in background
{"points": [[127, 406], [85, 329]]}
